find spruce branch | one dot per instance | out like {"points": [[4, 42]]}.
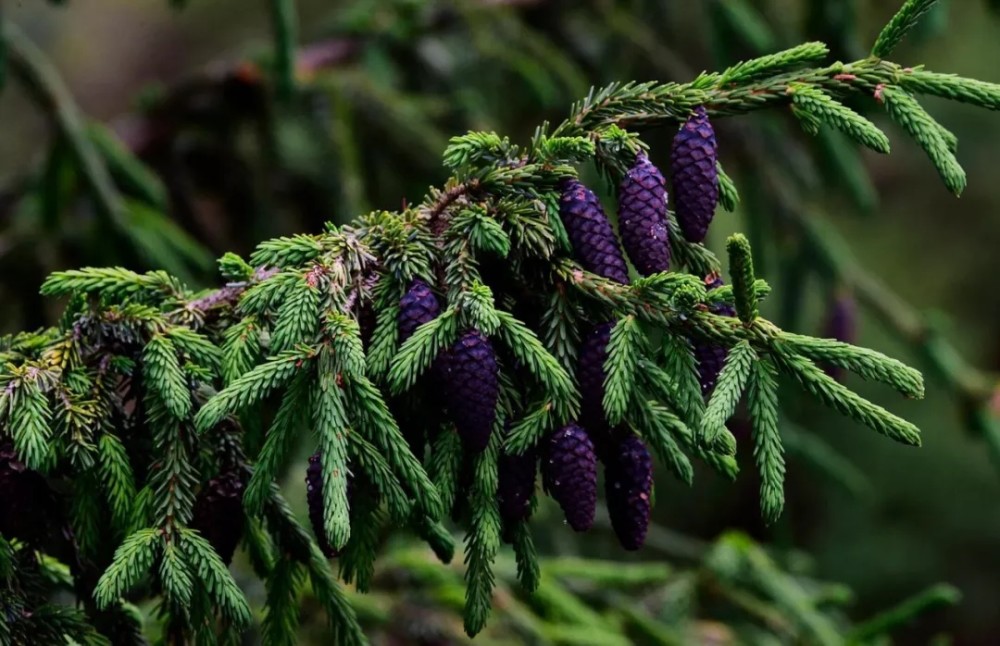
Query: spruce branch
{"points": [[294, 322], [762, 398], [901, 23]]}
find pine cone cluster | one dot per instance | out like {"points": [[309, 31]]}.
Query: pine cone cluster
{"points": [[628, 482], [218, 513], [695, 175], [569, 474]]}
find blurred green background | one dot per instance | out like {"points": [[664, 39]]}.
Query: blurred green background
{"points": [[399, 77]]}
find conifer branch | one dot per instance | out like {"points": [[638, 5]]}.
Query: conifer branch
{"points": [[513, 230]]}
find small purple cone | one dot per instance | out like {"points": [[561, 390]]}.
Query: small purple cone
{"points": [[642, 217], [709, 356], [569, 473], [516, 485], [628, 481], [590, 375], [218, 514], [469, 370], [25, 501], [841, 324], [366, 325], [314, 498], [419, 305], [695, 176], [590, 233]]}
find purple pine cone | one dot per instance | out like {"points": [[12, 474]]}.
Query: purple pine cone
{"points": [[517, 485], [841, 324], [709, 356], [419, 305], [695, 176], [469, 370], [314, 498], [590, 233], [642, 217], [590, 375], [218, 514], [628, 485], [569, 474], [842, 318]]}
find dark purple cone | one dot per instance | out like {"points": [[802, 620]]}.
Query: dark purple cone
{"points": [[628, 482], [841, 324], [590, 233], [30, 510], [590, 375], [314, 498], [367, 321], [569, 474], [419, 305], [642, 217], [469, 370], [218, 514], [517, 484], [709, 356], [695, 176]]}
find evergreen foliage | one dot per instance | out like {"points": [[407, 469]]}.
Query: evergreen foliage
{"points": [[147, 392]]}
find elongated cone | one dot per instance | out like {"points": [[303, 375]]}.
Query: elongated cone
{"points": [[418, 305], [695, 175], [642, 217], [709, 356], [841, 324], [32, 511], [590, 232], [569, 474], [628, 482], [470, 374], [516, 485], [218, 514], [314, 499], [590, 374]]}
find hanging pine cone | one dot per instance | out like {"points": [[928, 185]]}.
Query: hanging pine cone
{"points": [[469, 370], [569, 474], [516, 485], [367, 320], [419, 305], [314, 499], [628, 481], [590, 233], [695, 175], [642, 217], [590, 375], [710, 356], [26, 501], [841, 324], [218, 514]]}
